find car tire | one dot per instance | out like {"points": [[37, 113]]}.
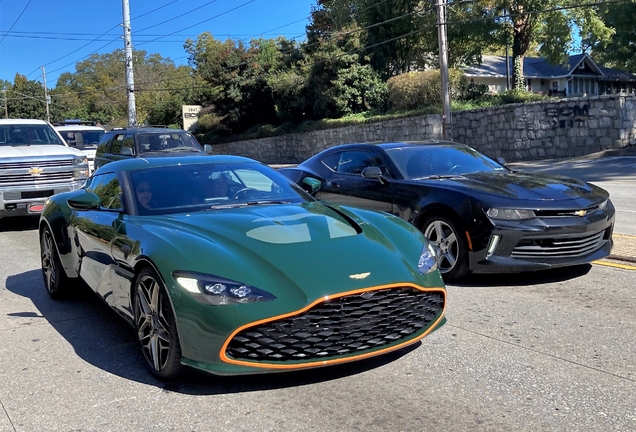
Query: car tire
{"points": [[156, 325], [451, 246], [56, 282]]}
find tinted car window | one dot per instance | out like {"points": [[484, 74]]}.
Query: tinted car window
{"points": [[167, 141], [331, 161], [108, 189], [424, 161], [192, 187], [354, 162], [117, 144], [28, 134], [81, 138]]}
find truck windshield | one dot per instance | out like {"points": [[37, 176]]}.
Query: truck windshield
{"points": [[26, 134]]}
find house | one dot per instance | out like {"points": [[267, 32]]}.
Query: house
{"points": [[581, 76]]}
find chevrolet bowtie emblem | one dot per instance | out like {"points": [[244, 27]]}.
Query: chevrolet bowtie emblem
{"points": [[580, 212], [35, 171], [359, 275]]}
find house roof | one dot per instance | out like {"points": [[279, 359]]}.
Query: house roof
{"points": [[539, 67]]}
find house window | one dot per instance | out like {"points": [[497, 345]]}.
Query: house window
{"points": [[529, 84], [555, 85], [570, 87]]}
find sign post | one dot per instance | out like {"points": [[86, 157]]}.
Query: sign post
{"points": [[190, 115]]}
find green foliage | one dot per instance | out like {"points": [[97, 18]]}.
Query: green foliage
{"points": [[618, 50], [25, 99], [422, 89]]}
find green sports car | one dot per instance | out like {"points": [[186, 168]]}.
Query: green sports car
{"points": [[222, 264]]}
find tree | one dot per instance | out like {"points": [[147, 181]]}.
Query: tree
{"points": [[548, 22], [619, 51], [25, 99]]}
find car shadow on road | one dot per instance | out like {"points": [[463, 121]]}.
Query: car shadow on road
{"points": [[25, 223], [524, 279], [106, 341]]}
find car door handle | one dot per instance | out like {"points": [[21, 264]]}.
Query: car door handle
{"points": [[333, 184]]}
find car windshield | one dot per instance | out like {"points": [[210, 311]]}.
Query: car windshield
{"points": [[211, 186], [430, 161], [27, 134], [167, 142], [82, 138]]}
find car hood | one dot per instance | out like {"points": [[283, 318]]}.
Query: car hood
{"points": [[41, 151], [288, 247], [526, 186]]}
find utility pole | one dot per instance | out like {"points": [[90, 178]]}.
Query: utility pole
{"points": [[443, 67], [47, 98], [6, 109], [130, 80]]}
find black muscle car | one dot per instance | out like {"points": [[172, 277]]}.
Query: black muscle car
{"points": [[479, 215]]}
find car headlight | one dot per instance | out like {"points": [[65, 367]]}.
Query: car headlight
{"points": [[603, 205], [428, 259], [219, 291], [80, 160], [508, 214]]}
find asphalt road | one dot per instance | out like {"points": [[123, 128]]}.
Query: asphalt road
{"points": [[617, 175], [552, 351]]}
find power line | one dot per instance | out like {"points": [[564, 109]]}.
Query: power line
{"points": [[467, 21], [16, 20], [201, 22]]}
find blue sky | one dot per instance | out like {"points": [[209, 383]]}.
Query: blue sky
{"points": [[57, 34]]}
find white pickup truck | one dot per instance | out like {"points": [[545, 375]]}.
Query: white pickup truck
{"points": [[35, 163]]}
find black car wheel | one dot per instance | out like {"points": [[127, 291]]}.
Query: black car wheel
{"points": [[446, 238], [55, 280], [156, 325]]}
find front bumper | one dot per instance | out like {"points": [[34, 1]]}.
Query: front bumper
{"points": [[335, 329], [29, 200], [544, 243]]}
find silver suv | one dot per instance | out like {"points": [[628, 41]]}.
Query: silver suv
{"points": [[35, 163]]}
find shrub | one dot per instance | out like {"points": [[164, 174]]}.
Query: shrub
{"points": [[423, 89]]}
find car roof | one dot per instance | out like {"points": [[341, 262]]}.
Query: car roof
{"points": [[79, 128], [21, 121], [396, 144], [134, 164], [138, 130]]}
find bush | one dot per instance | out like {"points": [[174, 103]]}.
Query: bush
{"points": [[423, 89]]}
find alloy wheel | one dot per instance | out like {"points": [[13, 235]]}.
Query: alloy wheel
{"points": [[49, 271], [444, 239], [152, 323]]}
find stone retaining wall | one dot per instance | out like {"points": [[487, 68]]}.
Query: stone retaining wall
{"points": [[516, 132]]}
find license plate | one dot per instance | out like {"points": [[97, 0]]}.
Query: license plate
{"points": [[36, 208]]}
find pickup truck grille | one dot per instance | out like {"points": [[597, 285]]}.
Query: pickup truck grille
{"points": [[29, 178], [35, 163]]}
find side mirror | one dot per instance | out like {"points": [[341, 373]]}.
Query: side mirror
{"points": [[372, 172], [311, 185], [501, 160], [84, 201], [207, 148], [127, 151]]}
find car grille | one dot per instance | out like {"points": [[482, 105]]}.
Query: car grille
{"points": [[13, 178], [560, 248], [565, 213], [342, 326], [36, 163]]}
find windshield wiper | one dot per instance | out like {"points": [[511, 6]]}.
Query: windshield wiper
{"points": [[183, 148], [248, 203], [262, 202]]}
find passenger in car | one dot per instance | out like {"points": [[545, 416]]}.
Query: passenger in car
{"points": [[144, 194]]}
